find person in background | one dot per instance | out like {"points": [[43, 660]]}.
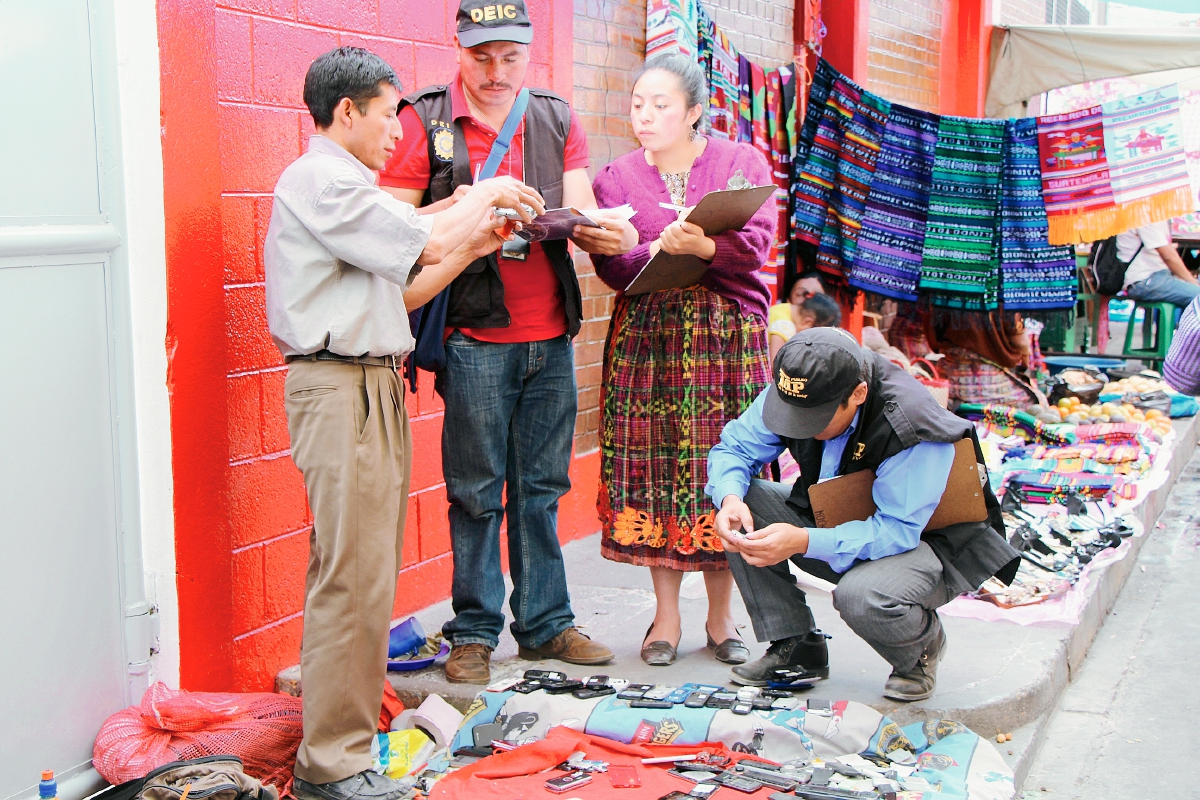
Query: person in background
{"points": [[340, 256], [805, 309], [509, 381], [1181, 370], [986, 358], [1156, 273], [678, 363]]}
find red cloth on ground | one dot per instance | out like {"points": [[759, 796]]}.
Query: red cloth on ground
{"points": [[391, 708], [521, 774]]}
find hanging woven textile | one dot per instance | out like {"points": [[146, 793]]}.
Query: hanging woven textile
{"points": [[745, 114], [671, 27], [1143, 139], [780, 159], [1033, 273], [960, 263], [888, 259], [856, 167], [818, 95], [1075, 182], [816, 181]]}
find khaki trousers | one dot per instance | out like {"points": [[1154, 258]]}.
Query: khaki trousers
{"points": [[350, 438]]}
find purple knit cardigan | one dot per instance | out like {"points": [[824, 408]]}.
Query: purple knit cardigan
{"points": [[734, 270]]}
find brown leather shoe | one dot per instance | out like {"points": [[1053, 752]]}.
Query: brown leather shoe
{"points": [[468, 663], [571, 646]]}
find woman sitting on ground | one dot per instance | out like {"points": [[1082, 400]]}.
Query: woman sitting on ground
{"points": [[787, 319], [986, 358]]}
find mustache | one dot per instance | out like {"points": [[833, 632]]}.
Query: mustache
{"points": [[494, 85]]}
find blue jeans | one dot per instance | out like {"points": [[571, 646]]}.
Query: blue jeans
{"points": [[1163, 287], [510, 419]]}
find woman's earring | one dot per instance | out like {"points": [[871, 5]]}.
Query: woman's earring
{"points": [[692, 135]]}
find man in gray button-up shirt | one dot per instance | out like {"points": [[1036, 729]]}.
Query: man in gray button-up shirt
{"points": [[340, 256]]}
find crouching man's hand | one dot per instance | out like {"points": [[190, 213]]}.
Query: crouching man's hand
{"points": [[775, 543], [733, 517]]}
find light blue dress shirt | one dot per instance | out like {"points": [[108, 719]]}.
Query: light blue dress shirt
{"points": [[908, 487]]}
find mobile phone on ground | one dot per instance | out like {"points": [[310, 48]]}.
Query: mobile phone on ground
{"points": [[659, 693], [566, 783], [544, 675], [642, 702], [634, 691], [697, 699]]}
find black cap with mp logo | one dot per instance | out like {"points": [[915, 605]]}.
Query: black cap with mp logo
{"points": [[481, 21], [811, 374]]}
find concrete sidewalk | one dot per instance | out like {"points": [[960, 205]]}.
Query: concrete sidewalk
{"points": [[997, 676]]}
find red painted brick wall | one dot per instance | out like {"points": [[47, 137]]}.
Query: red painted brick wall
{"points": [[904, 55], [262, 49]]}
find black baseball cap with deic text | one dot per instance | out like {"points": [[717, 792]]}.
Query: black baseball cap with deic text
{"points": [[810, 375], [482, 21]]}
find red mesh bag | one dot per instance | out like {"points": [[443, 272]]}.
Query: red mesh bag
{"points": [[263, 730]]}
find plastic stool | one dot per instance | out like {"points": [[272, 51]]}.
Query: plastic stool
{"points": [[1158, 327]]}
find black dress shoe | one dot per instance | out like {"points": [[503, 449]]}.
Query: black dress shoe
{"points": [[730, 651], [808, 651], [659, 653], [918, 683]]}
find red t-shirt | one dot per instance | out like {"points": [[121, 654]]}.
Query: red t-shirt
{"points": [[532, 292]]}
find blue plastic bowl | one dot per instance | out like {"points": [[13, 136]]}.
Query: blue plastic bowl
{"points": [[1057, 364]]}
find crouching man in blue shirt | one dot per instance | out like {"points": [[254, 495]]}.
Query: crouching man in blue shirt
{"points": [[839, 409]]}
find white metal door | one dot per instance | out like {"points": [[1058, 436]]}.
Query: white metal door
{"points": [[74, 643]]}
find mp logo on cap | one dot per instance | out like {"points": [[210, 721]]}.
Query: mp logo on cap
{"points": [[793, 387]]}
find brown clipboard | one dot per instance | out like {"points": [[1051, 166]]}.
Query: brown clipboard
{"points": [[717, 212], [848, 497]]}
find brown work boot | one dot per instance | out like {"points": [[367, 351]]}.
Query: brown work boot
{"points": [[571, 646], [468, 663]]}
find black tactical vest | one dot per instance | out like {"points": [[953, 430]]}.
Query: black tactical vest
{"points": [[477, 295], [899, 413]]}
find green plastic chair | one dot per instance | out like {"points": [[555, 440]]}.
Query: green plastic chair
{"points": [[1158, 327]]}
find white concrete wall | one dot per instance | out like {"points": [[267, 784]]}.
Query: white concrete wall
{"points": [[136, 27]]}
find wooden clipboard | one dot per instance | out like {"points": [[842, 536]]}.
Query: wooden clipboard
{"points": [[717, 212], [848, 497]]}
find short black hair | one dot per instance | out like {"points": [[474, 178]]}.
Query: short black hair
{"points": [[825, 311], [864, 376], [345, 72]]}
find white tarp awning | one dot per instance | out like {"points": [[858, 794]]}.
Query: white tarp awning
{"points": [[1033, 59]]}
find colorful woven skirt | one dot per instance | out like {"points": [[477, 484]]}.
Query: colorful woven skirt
{"points": [[678, 365], [888, 259]]}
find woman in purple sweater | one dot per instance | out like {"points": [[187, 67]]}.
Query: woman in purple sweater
{"points": [[678, 363]]}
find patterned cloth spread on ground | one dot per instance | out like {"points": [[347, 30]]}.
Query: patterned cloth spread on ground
{"points": [[1033, 273], [1052, 487], [855, 170], [1143, 139], [954, 761], [1075, 180], [888, 258], [960, 261], [1007, 421]]}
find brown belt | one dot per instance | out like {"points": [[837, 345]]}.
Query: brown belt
{"points": [[391, 362]]}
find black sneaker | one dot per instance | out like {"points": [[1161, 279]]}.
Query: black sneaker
{"points": [[808, 651], [366, 785]]}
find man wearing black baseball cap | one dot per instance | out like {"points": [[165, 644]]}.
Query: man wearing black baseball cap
{"points": [[838, 409], [509, 377]]}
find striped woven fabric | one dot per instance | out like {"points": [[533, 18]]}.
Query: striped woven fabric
{"points": [[745, 119], [1033, 273], [888, 259], [855, 170], [818, 94], [1182, 367], [816, 180], [960, 261]]}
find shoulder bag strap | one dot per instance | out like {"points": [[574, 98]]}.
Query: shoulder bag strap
{"points": [[504, 140]]}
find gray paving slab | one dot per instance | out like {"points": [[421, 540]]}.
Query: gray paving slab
{"points": [[996, 677]]}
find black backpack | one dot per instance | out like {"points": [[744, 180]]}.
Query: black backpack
{"points": [[1108, 271]]}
